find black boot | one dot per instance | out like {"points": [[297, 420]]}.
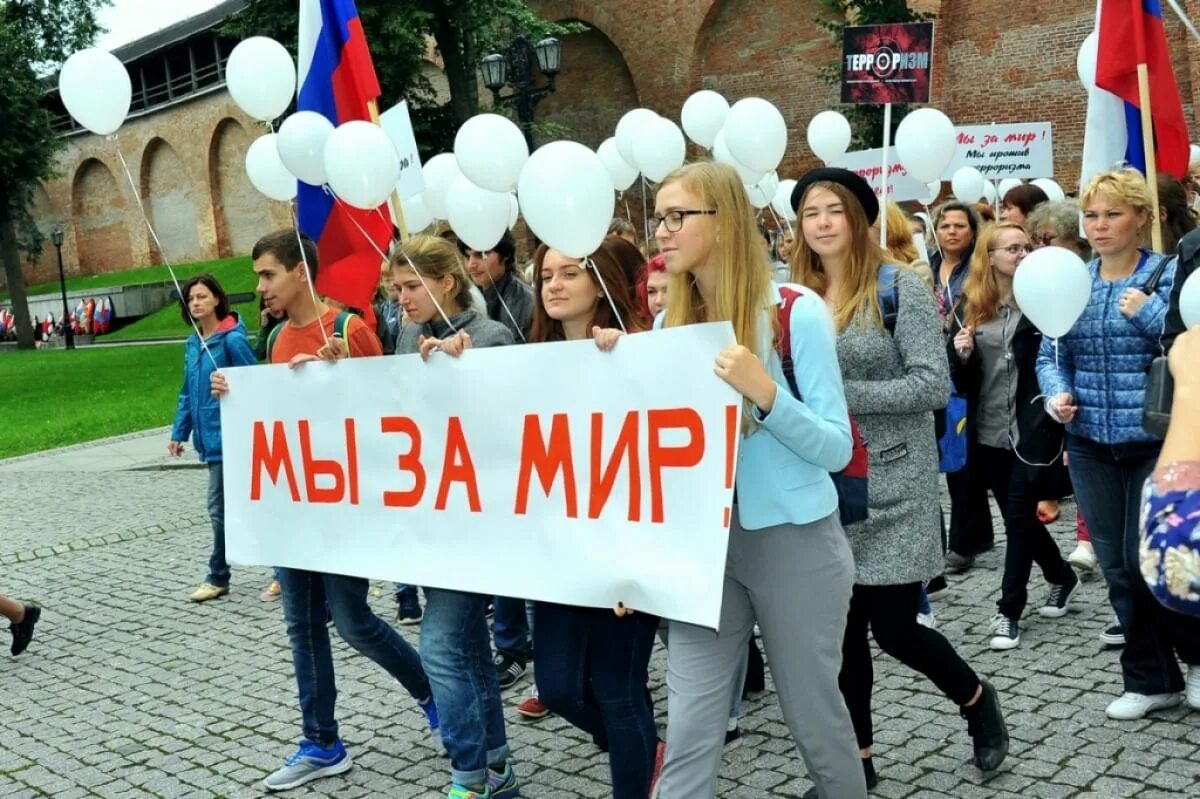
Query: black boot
{"points": [[985, 725], [22, 631]]}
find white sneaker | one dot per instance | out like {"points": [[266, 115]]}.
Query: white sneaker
{"points": [[1083, 558], [1192, 691], [927, 620], [1130, 706], [1006, 632]]}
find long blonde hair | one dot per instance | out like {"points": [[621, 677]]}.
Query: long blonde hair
{"points": [[900, 245], [981, 291], [860, 283], [432, 258], [743, 271]]}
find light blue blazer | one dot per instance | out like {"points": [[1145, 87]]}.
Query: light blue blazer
{"points": [[784, 463]]}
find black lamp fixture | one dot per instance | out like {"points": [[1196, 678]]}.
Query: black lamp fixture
{"points": [[56, 236], [518, 69]]}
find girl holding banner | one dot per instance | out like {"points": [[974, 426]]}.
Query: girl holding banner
{"points": [[591, 665], [456, 649], [789, 566], [895, 376]]}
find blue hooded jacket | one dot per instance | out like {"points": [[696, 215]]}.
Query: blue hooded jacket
{"points": [[1103, 360], [197, 413]]}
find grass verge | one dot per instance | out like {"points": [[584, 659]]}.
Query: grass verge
{"points": [[53, 398]]}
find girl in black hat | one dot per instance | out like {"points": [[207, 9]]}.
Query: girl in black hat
{"points": [[895, 373]]}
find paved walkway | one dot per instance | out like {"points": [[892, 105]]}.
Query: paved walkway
{"points": [[131, 691]]}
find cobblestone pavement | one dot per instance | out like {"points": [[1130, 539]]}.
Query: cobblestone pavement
{"points": [[131, 691]]}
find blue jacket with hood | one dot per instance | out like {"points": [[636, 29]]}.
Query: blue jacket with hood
{"points": [[198, 414]]}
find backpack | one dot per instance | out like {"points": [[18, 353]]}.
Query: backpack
{"points": [[341, 329]]}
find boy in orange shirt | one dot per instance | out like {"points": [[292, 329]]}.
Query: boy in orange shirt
{"points": [[309, 334]]}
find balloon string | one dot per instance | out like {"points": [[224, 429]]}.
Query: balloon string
{"points": [[312, 291], [645, 207], [588, 263], [504, 305], [425, 286], [137, 196]]}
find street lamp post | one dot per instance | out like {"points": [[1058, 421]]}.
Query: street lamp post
{"points": [[518, 68], [56, 236]]}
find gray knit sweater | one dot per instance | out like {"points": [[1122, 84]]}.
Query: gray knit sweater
{"points": [[483, 331], [893, 385]]}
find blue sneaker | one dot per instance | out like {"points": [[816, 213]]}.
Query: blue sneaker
{"points": [[503, 784], [309, 762], [435, 726]]}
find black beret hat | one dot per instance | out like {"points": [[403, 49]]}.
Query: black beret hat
{"points": [[856, 184]]}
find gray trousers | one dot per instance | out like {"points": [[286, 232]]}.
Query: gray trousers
{"points": [[796, 581]]}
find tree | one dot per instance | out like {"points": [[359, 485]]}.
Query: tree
{"points": [[36, 36], [866, 120], [462, 30]]}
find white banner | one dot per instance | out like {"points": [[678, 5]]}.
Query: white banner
{"points": [[398, 126], [869, 163], [1018, 150], [544, 471]]}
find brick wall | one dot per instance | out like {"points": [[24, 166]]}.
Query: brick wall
{"points": [[994, 62], [188, 163]]}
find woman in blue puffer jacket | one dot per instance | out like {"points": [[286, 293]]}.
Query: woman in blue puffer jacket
{"points": [[1095, 383], [197, 414]]}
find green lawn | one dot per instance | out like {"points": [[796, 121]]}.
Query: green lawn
{"points": [[52, 398], [233, 273]]}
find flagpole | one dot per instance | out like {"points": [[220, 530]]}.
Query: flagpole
{"points": [[1143, 75], [373, 110]]}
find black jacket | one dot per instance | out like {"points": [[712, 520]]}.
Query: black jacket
{"points": [[1040, 438]]}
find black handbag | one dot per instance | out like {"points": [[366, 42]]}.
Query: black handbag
{"points": [[1156, 410]]}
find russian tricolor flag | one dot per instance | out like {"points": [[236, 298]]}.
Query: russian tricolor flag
{"points": [[337, 79], [1129, 33]]}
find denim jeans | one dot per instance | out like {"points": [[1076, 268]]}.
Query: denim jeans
{"points": [[218, 568], [457, 653], [591, 670], [305, 597], [1108, 483], [510, 627]]}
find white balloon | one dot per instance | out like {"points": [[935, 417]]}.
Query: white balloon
{"points": [[934, 187], [439, 173], [490, 151], [361, 164], [514, 211], [762, 193], [267, 172], [416, 215], [302, 138], [478, 217], [1007, 185], [96, 90], [567, 197], [783, 200], [660, 149], [829, 136], [967, 184], [1085, 61], [261, 77], [1052, 286], [925, 142], [721, 154], [703, 115], [756, 134], [623, 175], [989, 192], [1189, 301], [629, 130], [1052, 189]]}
